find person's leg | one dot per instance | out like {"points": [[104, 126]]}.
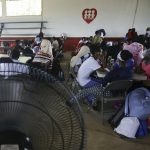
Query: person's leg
{"points": [[93, 82], [91, 99]]}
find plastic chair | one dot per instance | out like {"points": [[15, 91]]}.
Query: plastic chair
{"points": [[116, 90]]}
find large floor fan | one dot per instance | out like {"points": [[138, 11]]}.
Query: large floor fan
{"points": [[37, 112]]}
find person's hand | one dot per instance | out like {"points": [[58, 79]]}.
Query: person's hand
{"points": [[103, 61]]}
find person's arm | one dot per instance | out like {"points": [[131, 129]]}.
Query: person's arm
{"points": [[108, 77], [102, 61], [101, 69]]}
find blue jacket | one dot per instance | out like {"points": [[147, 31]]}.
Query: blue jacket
{"points": [[117, 74]]}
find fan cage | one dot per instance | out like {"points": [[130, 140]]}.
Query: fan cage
{"points": [[36, 104]]}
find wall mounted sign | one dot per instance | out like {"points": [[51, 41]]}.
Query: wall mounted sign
{"points": [[89, 14]]}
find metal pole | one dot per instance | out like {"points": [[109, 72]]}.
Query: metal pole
{"points": [[1, 29], [137, 3]]}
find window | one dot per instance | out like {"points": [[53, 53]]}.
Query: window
{"points": [[23, 7], [0, 8]]}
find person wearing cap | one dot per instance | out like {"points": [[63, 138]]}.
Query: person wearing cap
{"points": [[123, 71], [146, 63]]}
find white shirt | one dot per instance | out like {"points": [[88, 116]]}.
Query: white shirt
{"points": [[88, 66]]}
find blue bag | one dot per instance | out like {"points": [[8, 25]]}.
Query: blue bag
{"points": [[143, 129], [137, 103]]}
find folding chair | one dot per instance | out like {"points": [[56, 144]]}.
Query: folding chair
{"points": [[116, 90], [72, 82]]}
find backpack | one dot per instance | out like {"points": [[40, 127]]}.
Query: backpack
{"points": [[137, 103]]}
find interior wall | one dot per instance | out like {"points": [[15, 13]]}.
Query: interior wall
{"points": [[142, 20], [65, 16], [115, 16]]}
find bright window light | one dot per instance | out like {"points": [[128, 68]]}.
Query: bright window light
{"points": [[23, 7], [0, 8]]}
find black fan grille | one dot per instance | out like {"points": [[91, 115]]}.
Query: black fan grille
{"points": [[35, 103]]}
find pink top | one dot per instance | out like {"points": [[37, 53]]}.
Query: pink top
{"points": [[136, 49], [146, 68]]}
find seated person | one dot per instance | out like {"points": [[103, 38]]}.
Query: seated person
{"points": [[136, 49], [55, 46], [44, 58], [10, 65], [15, 54], [97, 39], [129, 62], [36, 44], [146, 63], [89, 66], [122, 71], [82, 55], [28, 51]]}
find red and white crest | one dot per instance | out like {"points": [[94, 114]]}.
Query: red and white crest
{"points": [[89, 14]]}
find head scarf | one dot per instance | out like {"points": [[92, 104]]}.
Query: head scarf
{"points": [[46, 47], [83, 51], [45, 55]]}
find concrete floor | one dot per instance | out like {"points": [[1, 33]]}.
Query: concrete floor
{"points": [[102, 137]]}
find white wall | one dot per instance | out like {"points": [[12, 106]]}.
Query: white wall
{"points": [[115, 16], [142, 19]]}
